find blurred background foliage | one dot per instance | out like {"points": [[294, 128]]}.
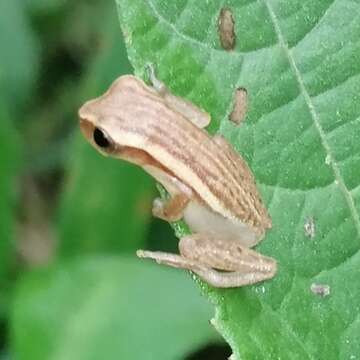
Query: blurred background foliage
{"points": [[71, 220]]}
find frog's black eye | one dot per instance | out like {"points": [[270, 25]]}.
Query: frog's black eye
{"points": [[101, 139]]}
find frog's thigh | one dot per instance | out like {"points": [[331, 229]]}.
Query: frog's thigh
{"points": [[241, 266]]}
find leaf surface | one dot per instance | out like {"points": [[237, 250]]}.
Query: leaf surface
{"points": [[299, 62]]}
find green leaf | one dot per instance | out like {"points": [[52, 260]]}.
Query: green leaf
{"points": [[9, 165], [42, 7], [19, 53], [105, 206], [299, 61], [93, 308]]}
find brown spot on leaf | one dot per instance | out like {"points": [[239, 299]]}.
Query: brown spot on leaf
{"points": [[226, 29], [240, 106]]}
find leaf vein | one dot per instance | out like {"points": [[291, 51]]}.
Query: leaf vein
{"points": [[176, 31], [194, 41]]}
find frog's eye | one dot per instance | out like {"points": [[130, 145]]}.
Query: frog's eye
{"points": [[101, 139]]}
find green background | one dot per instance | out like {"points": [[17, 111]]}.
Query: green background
{"points": [[71, 220], [71, 286]]}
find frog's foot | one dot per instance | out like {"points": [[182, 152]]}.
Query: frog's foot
{"points": [[173, 260], [205, 256], [172, 209]]}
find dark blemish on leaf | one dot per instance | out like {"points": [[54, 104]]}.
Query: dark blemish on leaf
{"points": [[322, 290], [226, 29], [240, 106], [309, 227]]}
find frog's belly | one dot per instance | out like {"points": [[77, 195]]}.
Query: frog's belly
{"points": [[200, 219]]}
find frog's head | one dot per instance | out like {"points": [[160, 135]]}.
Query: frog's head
{"points": [[96, 133], [113, 122], [103, 117]]}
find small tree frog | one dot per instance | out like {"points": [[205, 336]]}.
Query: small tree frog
{"points": [[210, 186]]}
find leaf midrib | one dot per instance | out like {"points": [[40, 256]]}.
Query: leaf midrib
{"points": [[315, 117]]}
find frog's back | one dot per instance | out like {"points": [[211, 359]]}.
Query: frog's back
{"points": [[210, 167]]}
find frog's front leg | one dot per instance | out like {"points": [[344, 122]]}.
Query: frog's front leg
{"points": [[180, 194], [172, 209], [193, 113], [205, 256]]}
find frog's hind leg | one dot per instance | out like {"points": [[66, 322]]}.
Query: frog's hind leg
{"points": [[205, 256], [169, 259], [227, 263]]}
